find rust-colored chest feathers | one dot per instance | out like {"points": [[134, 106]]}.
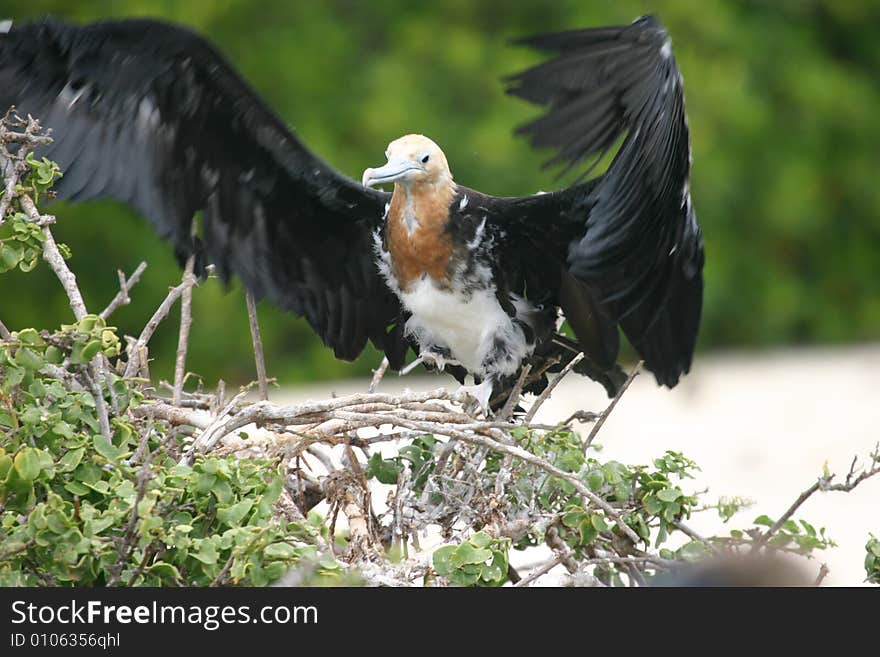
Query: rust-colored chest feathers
{"points": [[417, 237]]}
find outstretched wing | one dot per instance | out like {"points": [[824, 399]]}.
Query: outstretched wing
{"points": [[642, 248], [150, 114]]}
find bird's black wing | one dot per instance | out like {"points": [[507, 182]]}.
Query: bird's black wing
{"points": [[642, 249], [150, 114]]}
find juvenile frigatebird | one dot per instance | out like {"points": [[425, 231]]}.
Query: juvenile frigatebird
{"points": [[151, 114]]}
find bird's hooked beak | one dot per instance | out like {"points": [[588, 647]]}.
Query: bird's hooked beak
{"points": [[395, 169]]}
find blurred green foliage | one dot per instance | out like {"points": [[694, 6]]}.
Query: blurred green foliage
{"points": [[782, 98]]}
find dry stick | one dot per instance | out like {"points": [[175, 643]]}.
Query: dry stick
{"points": [[686, 530], [52, 256], [543, 570], [378, 374], [15, 166], [96, 374], [528, 457], [823, 573], [7, 197], [171, 414], [4, 332], [188, 457], [262, 412], [504, 473], [136, 357], [62, 375], [183, 334], [55, 260], [607, 411], [267, 412], [224, 572], [515, 394], [550, 386], [258, 345], [125, 285]]}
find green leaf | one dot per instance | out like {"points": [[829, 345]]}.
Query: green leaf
{"points": [[30, 337], [234, 514], [652, 504], [76, 488], [63, 429], [91, 350], [599, 523], [766, 521], [207, 553], [27, 464], [692, 551], [468, 554], [105, 448], [5, 464], [386, 471], [480, 539], [164, 570], [29, 359], [222, 490], [811, 531], [10, 255], [587, 532], [492, 573], [71, 459], [280, 551], [669, 494], [443, 560], [595, 480]]}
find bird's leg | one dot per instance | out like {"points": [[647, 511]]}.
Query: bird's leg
{"points": [[482, 393]]}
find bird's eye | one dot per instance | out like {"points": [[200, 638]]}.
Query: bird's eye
{"points": [[425, 159]]}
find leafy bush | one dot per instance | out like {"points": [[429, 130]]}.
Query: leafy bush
{"points": [[84, 505], [103, 481]]}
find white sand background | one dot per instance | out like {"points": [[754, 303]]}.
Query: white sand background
{"points": [[760, 425]]}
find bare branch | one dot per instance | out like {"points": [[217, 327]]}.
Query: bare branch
{"points": [[476, 433], [15, 166], [259, 360], [172, 415], [54, 259], [542, 570], [545, 395], [378, 374], [607, 411], [823, 573], [125, 286], [137, 349], [183, 334], [515, 394], [824, 484]]}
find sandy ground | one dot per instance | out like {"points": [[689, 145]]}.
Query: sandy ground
{"points": [[760, 425]]}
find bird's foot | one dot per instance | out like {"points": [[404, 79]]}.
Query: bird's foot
{"points": [[430, 359], [481, 393], [434, 360]]}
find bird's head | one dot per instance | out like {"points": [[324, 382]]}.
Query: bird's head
{"points": [[413, 161]]}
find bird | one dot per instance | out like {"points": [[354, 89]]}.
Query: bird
{"points": [[150, 113]]}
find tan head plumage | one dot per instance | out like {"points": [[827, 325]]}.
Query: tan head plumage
{"points": [[413, 161]]}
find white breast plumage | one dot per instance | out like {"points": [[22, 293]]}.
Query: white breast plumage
{"points": [[473, 327]]}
